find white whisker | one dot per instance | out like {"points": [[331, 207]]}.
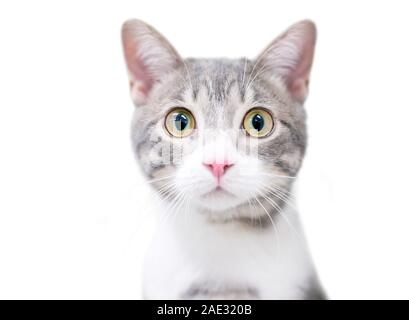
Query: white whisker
{"points": [[273, 224]]}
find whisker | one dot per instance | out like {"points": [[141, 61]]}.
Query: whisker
{"points": [[161, 179], [279, 194], [278, 175], [273, 224], [280, 212], [171, 207], [259, 73], [244, 73]]}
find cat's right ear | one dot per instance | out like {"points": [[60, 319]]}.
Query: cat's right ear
{"points": [[149, 56]]}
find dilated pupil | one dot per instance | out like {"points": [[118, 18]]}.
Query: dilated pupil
{"points": [[257, 122], [181, 121]]}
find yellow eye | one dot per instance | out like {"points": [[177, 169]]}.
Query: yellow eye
{"points": [[258, 122], [180, 122]]}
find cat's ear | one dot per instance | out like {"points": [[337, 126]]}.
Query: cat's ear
{"points": [[290, 57], [149, 56]]}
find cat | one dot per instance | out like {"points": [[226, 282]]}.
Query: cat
{"points": [[221, 142]]}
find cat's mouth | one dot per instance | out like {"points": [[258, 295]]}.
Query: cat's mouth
{"points": [[218, 192]]}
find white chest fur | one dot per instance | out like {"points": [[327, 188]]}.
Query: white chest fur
{"points": [[191, 257]]}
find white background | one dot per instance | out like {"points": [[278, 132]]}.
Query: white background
{"points": [[73, 216]]}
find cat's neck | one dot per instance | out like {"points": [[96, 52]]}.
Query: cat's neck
{"points": [[263, 218]]}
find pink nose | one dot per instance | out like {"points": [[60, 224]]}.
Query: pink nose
{"points": [[218, 169]]}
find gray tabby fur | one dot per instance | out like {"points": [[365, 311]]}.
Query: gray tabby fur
{"points": [[215, 87]]}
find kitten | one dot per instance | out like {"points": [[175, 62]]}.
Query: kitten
{"points": [[221, 142]]}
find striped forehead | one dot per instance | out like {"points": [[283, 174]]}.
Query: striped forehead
{"points": [[216, 88]]}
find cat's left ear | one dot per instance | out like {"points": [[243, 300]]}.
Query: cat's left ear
{"points": [[149, 57], [290, 57]]}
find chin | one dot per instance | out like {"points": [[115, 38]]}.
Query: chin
{"points": [[218, 200]]}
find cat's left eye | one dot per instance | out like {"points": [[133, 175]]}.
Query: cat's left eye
{"points": [[258, 122], [180, 122]]}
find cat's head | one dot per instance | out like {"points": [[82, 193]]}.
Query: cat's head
{"points": [[218, 134]]}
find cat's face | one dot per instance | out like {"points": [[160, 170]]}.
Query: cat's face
{"points": [[221, 135]]}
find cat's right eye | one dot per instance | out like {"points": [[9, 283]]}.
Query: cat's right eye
{"points": [[180, 122]]}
